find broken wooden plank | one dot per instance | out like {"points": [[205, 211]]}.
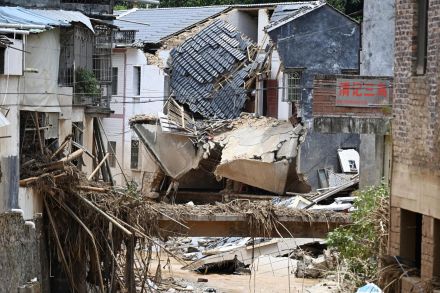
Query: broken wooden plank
{"points": [[37, 126], [61, 147], [75, 155], [98, 167]]}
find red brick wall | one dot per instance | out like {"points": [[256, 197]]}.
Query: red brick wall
{"points": [[324, 100], [416, 127]]}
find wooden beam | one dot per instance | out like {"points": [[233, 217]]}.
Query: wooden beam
{"points": [[238, 226]]}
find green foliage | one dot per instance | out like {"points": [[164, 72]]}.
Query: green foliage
{"points": [[86, 84], [362, 243]]}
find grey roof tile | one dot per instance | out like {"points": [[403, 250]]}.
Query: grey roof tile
{"points": [[198, 65], [152, 25]]}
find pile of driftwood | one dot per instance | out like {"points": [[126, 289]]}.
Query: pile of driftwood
{"points": [[97, 233]]}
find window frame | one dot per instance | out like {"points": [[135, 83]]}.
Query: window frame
{"points": [[293, 93], [115, 80], [137, 77], [111, 150], [422, 37], [134, 154]]}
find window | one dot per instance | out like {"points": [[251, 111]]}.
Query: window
{"points": [[114, 81], [134, 154], [111, 149], [422, 35], [137, 80], [2, 60], [293, 85]]}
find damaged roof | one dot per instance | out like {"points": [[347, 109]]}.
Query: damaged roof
{"points": [[152, 25], [288, 13], [208, 71], [47, 18], [286, 10]]}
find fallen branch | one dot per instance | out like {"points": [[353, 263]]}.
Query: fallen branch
{"points": [[105, 215], [93, 188]]}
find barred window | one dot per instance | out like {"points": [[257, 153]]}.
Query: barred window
{"points": [[111, 149], [134, 154], [114, 81], [293, 85]]}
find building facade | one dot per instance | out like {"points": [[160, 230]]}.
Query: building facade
{"points": [[415, 199]]}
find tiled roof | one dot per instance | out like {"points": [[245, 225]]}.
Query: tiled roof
{"points": [[198, 65], [154, 24], [284, 10], [289, 15]]}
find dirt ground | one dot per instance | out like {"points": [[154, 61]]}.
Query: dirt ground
{"points": [[261, 282]]}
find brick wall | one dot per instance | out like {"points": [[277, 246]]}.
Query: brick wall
{"points": [[416, 105], [324, 99]]}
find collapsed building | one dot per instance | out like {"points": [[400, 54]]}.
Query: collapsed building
{"points": [[211, 77]]}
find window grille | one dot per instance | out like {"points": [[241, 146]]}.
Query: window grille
{"points": [[293, 86], [134, 154], [111, 149], [115, 81]]}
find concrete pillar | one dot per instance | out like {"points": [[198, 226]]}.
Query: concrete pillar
{"points": [[372, 153]]}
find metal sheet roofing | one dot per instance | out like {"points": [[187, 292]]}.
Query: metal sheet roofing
{"points": [[66, 16], [200, 63], [48, 18], [154, 24]]}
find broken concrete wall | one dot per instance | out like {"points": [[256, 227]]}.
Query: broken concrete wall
{"points": [[19, 252], [175, 154], [261, 152]]}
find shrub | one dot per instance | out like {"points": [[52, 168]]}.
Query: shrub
{"points": [[361, 244]]}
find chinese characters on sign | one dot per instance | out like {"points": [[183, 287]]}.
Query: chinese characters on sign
{"points": [[362, 92]]}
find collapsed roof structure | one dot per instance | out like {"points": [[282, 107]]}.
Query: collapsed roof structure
{"points": [[209, 71]]}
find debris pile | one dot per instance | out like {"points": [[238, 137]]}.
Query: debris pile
{"points": [[234, 149], [103, 236]]}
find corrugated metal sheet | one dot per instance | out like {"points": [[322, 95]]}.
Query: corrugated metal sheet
{"points": [[154, 24], [49, 18], [198, 65], [64, 16], [19, 15]]}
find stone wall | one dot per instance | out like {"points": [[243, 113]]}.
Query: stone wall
{"points": [[19, 252]]}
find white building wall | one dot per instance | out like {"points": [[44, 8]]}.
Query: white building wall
{"points": [[126, 105]]}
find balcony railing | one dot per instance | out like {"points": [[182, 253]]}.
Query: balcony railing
{"points": [[124, 37]]}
